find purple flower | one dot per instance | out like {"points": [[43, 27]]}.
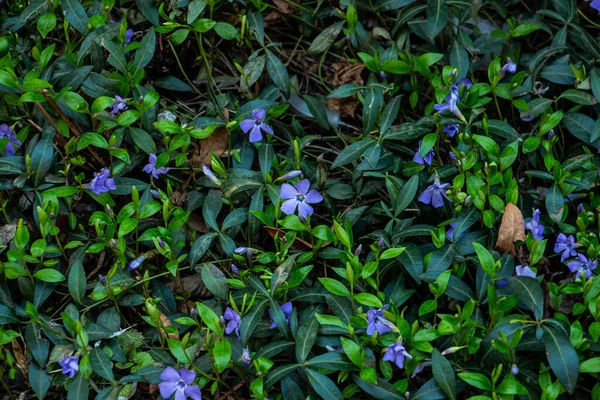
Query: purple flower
{"points": [[396, 353], [582, 265], [118, 105], [101, 182], [70, 365], [510, 67], [179, 383], [566, 246], [514, 370], [426, 159], [452, 129], [420, 367], [235, 269], [595, 4], [580, 207], [150, 168], [450, 232], [525, 117], [381, 243], [299, 196], [291, 175], [255, 125], [377, 322], [135, 264], [161, 242], [287, 311], [534, 226], [455, 88], [102, 279], [210, 175], [246, 358], [450, 104], [453, 156], [247, 251], [524, 270], [128, 35], [235, 321], [502, 283], [434, 193], [7, 133]]}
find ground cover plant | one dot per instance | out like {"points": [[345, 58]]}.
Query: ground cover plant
{"points": [[389, 199]]}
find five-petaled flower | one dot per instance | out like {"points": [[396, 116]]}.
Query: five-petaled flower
{"points": [[377, 322], [119, 105], [256, 125], [434, 194], [70, 365], [566, 246], [299, 196], [150, 168], [534, 226], [450, 104], [179, 383], [396, 353], [595, 4], [7, 133], [235, 321], [287, 311], [426, 159], [582, 266], [524, 270], [101, 182], [451, 129]]}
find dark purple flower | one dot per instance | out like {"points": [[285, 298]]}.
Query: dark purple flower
{"points": [[287, 311], [299, 196], [514, 370], [377, 322], [534, 226], [235, 321], [102, 279], [135, 264], [179, 383], [595, 4], [396, 353], [161, 242], [101, 182], [255, 125], [502, 283], [582, 265], [246, 358], [524, 270], [118, 105], [426, 159], [453, 156], [235, 269], [452, 129], [7, 133], [566, 246], [434, 194], [510, 67], [150, 168], [450, 104], [580, 207], [128, 35], [450, 232], [291, 175], [70, 365]]}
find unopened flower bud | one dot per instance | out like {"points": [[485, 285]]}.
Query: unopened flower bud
{"points": [[102, 279], [235, 269], [358, 250], [135, 264], [161, 242], [381, 243], [113, 243], [291, 175], [514, 370], [210, 175], [109, 210], [450, 350]]}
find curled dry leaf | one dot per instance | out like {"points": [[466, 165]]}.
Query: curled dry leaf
{"points": [[512, 229], [215, 143], [166, 323]]}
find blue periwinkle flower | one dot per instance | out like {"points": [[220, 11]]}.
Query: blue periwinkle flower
{"points": [[135, 264], [70, 365], [396, 353], [235, 321], [510, 67], [524, 270], [179, 383], [566, 246], [450, 232], [7, 133], [426, 159], [377, 322], [150, 168], [256, 125], [101, 182], [534, 226], [298, 196], [434, 194], [119, 105], [452, 129], [287, 311], [582, 266]]}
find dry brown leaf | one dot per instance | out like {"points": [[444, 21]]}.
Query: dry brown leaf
{"points": [[215, 143], [20, 361], [346, 72], [197, 223], [164, 320], [346, 106], [192, 286], [284, 6], [512, 229]]}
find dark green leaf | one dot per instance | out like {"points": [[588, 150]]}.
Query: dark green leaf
{"points": [[278, 73], [529, 292], [39, 380], [443, 374], [77, 281], [101, 364], [324, 386], [562, 358], [437, 16], [75, 14], [306, 338], [214, 280]]}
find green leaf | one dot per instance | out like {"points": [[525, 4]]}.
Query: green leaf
{"points": [[389, 114], [278, 73], [460, 59], [326, 38], [368, 299], [591, 366], [214, 280], [346, 90], [41, 159], [334, 286], [38, 346], [266, 153], [352, 153], [200, 246], [324, 386], [306, 338], [39, 380], [524, 29], [443, 374], [529, 292], [485, 258], [143, 140], [101, 364], [49, 275], [353, 351], [407, 194], [144, 53], [276, 374], [77, 281], [474, 379], [390, 5], [149, 11], [46, 23], [226, 31], [371, 107], [562, 357], [488, 144], [116, 57], [75, 14], [391, 253], [318, 111], [79, 388], [251, 319], [222, 355], [412, 260], [437, 16], [211, 208], [579, 97], [555, 203], [509, 155]]}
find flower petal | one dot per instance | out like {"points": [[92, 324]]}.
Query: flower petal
{"points": [[170, 374], [259, 114], [313, 197], [289, 206], [266, 128], [167, 388], [246, 125], [180, 394], [288, 191], [305, 209], [187, 376], [303, 186], [255, 135], [193, 392]]}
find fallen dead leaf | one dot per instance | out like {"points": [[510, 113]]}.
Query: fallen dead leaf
{"points": [[166, 323], [512, 229], [215, 143], [20, 361], [284, 6], [197, 223], [192, 286], [346, 72]]}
